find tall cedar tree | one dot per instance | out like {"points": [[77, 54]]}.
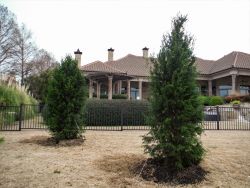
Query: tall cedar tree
{"points": [[65, 101], [175, 111]]}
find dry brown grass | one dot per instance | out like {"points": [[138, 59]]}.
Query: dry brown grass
{"points": [[104, 159]]}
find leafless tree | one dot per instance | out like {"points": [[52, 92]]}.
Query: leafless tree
{"points": [[42, 61], [8, 34], [24, 54]]}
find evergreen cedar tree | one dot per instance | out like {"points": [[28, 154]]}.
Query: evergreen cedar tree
{"points": [[175, 111], [65, 101]]}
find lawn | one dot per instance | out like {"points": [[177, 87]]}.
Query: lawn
{"points": [[105, 158]]}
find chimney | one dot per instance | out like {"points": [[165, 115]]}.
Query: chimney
{"points": [[78, 55], [110, 54], [145, 52]]}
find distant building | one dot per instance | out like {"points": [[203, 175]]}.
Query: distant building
{"points": [[130, 75]]}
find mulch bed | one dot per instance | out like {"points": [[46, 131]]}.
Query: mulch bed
{"points": [[155, 170], [50, 141]]}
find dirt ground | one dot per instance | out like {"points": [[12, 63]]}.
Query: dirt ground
{"points": [[103, 160]]}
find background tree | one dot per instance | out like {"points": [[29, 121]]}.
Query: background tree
{"points": [[175, 108], [24, 53], [8, 34], [38, 85], [42, 61], [41, 71], [65, 101]]}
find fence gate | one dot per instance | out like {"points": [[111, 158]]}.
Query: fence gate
{"points": [[9, 116], [32, 117], [16, 118]]}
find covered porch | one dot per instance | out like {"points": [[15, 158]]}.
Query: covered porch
{"points": [[232, 84], [105, 81], [112, 85]]}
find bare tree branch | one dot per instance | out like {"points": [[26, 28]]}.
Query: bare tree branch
{"points": [[8, 32]]}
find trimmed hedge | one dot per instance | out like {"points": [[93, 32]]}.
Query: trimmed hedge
{"points": [[216, 100], [115, 112], [114, 96], [204, 100], [119, 96], [211, 100]]}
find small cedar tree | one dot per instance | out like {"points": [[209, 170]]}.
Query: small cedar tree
{"points": [[175, 110], [65, 101]]}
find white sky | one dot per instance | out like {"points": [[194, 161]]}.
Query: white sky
{"points": [[93, 26]]}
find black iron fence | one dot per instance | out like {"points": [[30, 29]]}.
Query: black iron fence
{"points": [[226, 118], [16, 118]]}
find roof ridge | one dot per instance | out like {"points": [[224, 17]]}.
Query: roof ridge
{"points": [[235, 59], [205, 59], [97, 61], [122, 58]]}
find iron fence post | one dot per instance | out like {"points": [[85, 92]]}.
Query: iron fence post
{"points": [[218, 118], [20, 116], [121, 119]]}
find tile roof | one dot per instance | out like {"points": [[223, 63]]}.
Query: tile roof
{"points": [[98, 66], [203, 66], [233, 59], [242, 61], [132, 65], [138, 66]]}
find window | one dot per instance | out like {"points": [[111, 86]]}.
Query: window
{"points": [[204, 90], [244, 90], [134, 93], [225, 90]]}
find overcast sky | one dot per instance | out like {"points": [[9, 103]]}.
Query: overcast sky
{"points": [[93, 26]]}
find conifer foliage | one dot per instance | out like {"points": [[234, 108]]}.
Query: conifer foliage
{"points": [[65, 101], [175, 111]]}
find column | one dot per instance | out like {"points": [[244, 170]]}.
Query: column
{"points": [[237, 83], [233, 84], [140, 89], [119, 87], [128, 89], [98, 90], [110, 80], [210, 89], [217, 89], [90, 88]]}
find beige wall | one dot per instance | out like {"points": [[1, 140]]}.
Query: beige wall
{"points": [[145, 90]]}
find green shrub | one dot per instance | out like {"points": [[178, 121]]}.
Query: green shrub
{"points": [[10, 100], [215, 100], [14, 97], [204, 100], [119, 96], [235, 102], [8, 116], [114, 96], [211, 100], [1, 140]]}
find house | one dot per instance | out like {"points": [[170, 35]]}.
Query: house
{"points": [[130, 75]]}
